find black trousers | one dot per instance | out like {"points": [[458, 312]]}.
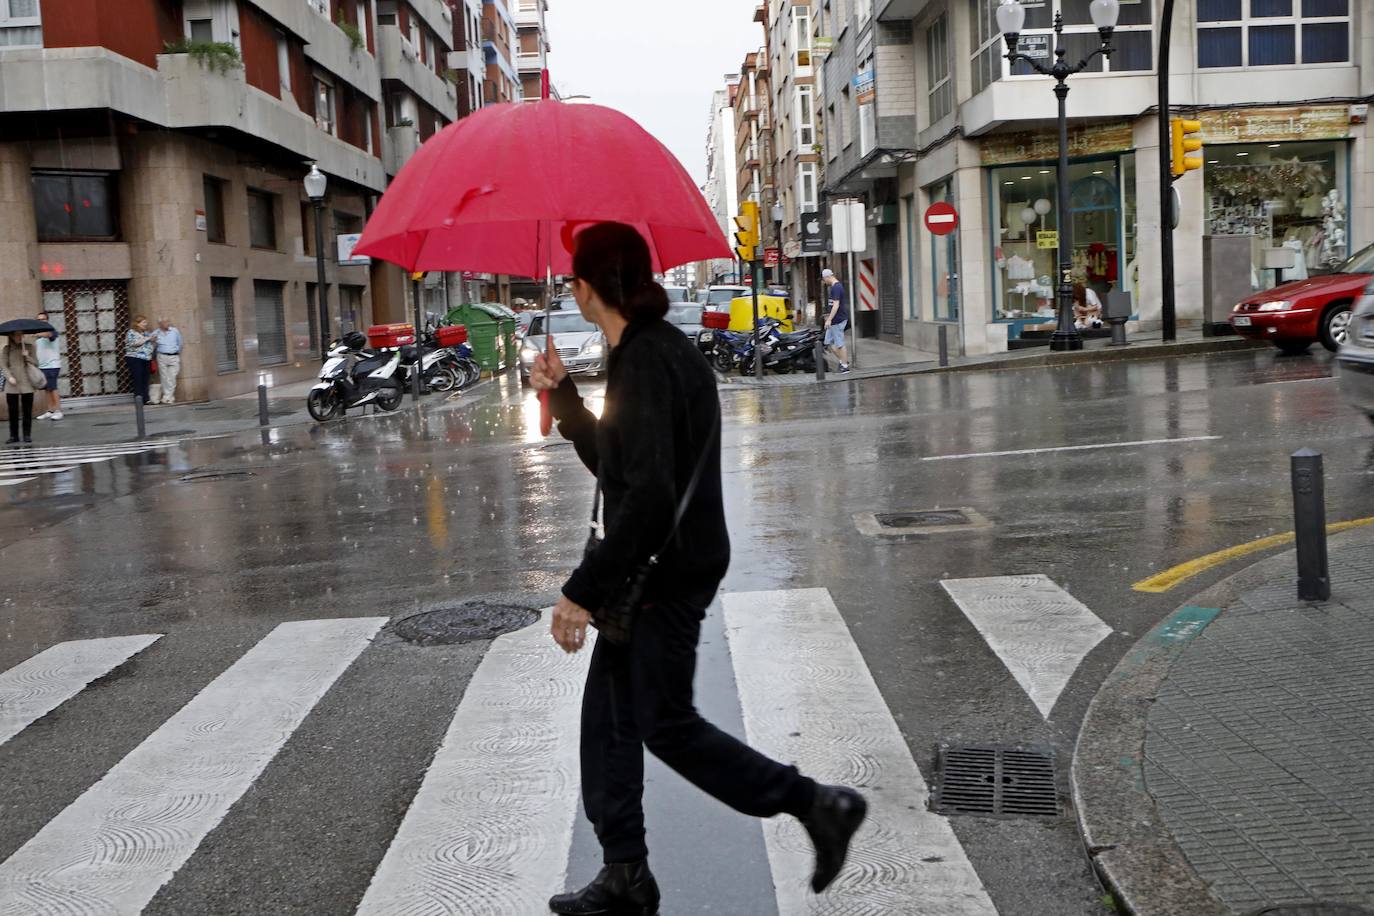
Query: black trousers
{"points": [[640, 696], [140, 371], [17, 402]]}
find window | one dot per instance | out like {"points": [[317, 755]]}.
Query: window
{"points": [[801, 22], [806, 187], [324, 106], [863, 11], [271, 314], [941, 86], [20, 24], [944, 259], [351, 308], [262, 219], [368, 112], [226, 339], [214, 209], [987, 43], [806, 118], [201, 30], [284, 62], [832, 133], [846, 128], [868, 129], [1131, 42], [414, 34], [386, 12], [363, 24], [1272, 33], [76, 206]]}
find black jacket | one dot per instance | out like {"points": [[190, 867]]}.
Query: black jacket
{"points": [[661, 407]]}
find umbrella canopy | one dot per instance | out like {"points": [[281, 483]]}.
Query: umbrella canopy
{"points": [[505, 189], [26, 326]]}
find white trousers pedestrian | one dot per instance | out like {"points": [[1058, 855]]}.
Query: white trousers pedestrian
{"points": [[167, 369]]}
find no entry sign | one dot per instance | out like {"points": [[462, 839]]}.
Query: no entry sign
{"points": [[942, 218]]}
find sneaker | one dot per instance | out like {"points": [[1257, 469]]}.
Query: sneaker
{"points": [[55, 415], [844, 367], [45, 415]]}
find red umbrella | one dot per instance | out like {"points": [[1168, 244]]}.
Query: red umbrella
{"points": [[505, 189]]}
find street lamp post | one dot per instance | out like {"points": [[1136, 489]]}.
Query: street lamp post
{"points": [[315, 186], [1011, 16]]}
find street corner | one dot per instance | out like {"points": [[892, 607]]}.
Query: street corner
{"points": [[1212, 774]]}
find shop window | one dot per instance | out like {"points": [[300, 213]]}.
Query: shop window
{"points": [[1272, 33], [262, 219], [214, 209], [20, 24], [76, 206], [271, 315], [913, 300], [225, 338], [944, 259], [939, 80], [1282, 195]]}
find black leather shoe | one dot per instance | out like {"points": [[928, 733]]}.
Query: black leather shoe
{"points": [[12, 440], [835, 815], [28, 439], [627, 889]]}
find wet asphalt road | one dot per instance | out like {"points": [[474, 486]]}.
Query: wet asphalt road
{"points": [[215, 542]]}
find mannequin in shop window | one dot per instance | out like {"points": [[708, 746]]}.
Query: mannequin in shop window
{"points": [[1087, 308]]}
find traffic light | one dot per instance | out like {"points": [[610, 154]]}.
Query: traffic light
{"points": [[747, 238], [1184, 144]]}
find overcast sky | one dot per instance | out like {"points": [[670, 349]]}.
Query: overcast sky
{"points": [[656, 61]]}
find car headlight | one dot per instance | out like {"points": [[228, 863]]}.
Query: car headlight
{"points": [[529, 352], [593, 349], [1280, 305]]}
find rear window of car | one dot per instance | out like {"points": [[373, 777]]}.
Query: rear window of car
{"points": [[684, 314]]}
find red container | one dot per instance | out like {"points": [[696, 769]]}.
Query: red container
{"points": [[452, 336], [390, 335], [717, 320]]}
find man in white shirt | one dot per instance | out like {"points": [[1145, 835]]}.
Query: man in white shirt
{"points": [[49, 353], [168, 358]]}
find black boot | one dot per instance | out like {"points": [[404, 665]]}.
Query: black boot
{"points": [[835, 815], [623, 889]]}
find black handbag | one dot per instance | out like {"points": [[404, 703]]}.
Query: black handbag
{"points": [[614, 620]]}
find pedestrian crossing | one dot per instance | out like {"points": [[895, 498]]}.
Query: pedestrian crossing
{"points": [[21, 465], [490, 829]]}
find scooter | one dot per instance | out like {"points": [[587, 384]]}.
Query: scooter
{"points": [[354, 376]]}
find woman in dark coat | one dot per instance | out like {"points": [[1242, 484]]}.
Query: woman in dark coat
{"points": [[662, 415]]}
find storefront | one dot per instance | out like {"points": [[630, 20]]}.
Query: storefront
{"points": [[944, 258]]}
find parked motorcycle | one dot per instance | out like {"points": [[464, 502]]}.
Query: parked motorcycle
{"points": [[354, 376]]}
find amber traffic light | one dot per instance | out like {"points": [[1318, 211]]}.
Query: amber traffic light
{"points": [[1185, 144]]}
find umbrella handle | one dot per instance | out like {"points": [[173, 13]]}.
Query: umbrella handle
{"points": [[545, 414]]}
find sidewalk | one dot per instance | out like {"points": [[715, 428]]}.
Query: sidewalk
{"points": [[1225, 765], [878, 359]]}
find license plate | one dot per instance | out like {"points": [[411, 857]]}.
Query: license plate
{"points": [[1241, 321]]}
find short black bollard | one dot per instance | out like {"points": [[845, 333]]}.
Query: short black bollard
{"points": [[138, 417], [1309, 521], [820, 360], [415, 383], [944, 344], [263, 419]]}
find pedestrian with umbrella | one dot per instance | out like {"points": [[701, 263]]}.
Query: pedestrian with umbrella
{"points": [[602, 200], [19, 364]]}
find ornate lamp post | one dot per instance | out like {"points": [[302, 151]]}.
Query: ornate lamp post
{"points": [[1011, 16], [315, 185]]}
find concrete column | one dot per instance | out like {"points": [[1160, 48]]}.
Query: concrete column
{"points": [[20, 280], [975, 305]]}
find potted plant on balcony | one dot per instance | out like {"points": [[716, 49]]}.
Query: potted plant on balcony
{"points": [[219, 56], [355, 36]]}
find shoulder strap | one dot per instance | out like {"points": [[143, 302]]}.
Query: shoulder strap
{"points": [[691, 490]]}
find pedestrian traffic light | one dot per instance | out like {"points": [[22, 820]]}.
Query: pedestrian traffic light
{"points": [[1184, 144], [747, 238]]}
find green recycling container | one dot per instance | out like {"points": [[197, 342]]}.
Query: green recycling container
{"points": [[509, 324], [485, 333]]}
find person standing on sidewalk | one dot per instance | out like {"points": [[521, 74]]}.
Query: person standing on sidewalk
{"points": [[836, 317], [168, 358], [16, 361], [49, 353], [657, 442], [138, 355]]}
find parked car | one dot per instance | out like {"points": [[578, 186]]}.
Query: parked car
{"points": [[1296, 314], [579, 343], [718, 298], [686, 317], [678, 293], [1355, 361]]}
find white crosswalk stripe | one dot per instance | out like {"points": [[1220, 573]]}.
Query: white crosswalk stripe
{"points": [[25, 464]]}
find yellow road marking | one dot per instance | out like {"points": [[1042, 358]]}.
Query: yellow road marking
{"points": [[1162, 582]]}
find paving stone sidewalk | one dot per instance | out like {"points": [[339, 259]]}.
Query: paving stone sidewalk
{"points": [[1258, 751]]}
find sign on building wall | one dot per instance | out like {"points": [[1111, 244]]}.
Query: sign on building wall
{"points": [[346, 245], [1035, 46], [823, 45], [1042, 146], [865, 87], [1275, 125], [812, 233]]}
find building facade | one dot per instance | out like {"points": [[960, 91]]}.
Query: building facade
{"points": [[753, 108], [502, 83], [722, 175], [532, 46]]}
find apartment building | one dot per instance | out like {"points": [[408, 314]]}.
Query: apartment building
{"points": [[921, 106], [151, 162], [532, 45], [722, 174], [468, 59], [499, 33], [753, 106]]}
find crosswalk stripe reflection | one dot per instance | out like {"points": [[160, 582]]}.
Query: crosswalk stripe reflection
{"points": [[809, 698], [36, 687], [490, 828], [111, 849]]}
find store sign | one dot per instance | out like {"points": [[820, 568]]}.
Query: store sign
{"points": [[1036, 47], [1275, 125], [1087, 140], [201, 224], [812, 233], [865, 87], [1046, 239], [770, 257], [823, 45], [346, 245]]}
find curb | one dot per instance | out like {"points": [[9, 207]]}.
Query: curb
{"points": [[1129, 844], [1039, 360]]}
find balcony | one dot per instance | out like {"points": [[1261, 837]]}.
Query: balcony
{"points": [[527, 62], [528, 13], [749, 106], [399, 62]]}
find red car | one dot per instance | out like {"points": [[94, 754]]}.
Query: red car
{"points": [[1316, 309]]}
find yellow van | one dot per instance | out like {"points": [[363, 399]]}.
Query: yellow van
{"points": [[742, 311]]}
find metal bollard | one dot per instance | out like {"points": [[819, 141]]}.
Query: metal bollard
{"points": [[820, 360], [944, 345], [263, 419], [415, 382], [138, 417], [1309, 521]]}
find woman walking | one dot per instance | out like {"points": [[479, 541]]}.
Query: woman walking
{"points": [[49, 353], [19, 364], [138, 355], [657, 443]]}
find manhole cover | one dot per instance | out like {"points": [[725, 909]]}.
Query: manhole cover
{"points": [[216, 475], [464, 623], [920, 522], [996, 782], [1313, 909]]}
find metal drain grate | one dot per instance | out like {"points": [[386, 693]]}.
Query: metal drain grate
{"points": [[468, 622], [215, 475], [920, 522], [930, 518], [995, 782], [1313, 909]]}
